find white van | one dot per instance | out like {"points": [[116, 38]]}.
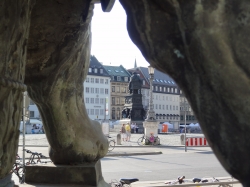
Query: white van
{"points": [[30, 127]]}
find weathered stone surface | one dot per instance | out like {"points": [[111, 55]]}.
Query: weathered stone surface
{"points": [[57, 64], [88, 174], [14, 27], [204, 46]]}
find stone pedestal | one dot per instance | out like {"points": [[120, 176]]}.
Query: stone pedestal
{"points": [[88, 174], [150, 127]]}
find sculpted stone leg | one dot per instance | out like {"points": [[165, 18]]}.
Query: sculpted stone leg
{"points": [[58, 59], [205, 47], [14, 26]]}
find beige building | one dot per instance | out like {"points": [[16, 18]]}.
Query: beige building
{"points": [[120, 78]]}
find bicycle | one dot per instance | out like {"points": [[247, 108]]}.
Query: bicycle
{"points": [[144, 140], [211, 180], [18, 167], [111, 144], [123, 182]]}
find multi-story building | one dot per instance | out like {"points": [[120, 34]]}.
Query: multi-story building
{"points": [[185, 109], [120, 78], [166, 95], [97, 91]]}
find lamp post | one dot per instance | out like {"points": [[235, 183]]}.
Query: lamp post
{"points": [[151, 112], [185, 124], [150, 124]]}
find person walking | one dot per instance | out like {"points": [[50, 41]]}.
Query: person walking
{"points": [[123, 132], [128, 131]]}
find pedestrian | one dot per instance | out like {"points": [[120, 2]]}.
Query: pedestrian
{"points": [[132, 128], [152, 138], [123, 132], [128, 131], [136, 128]]}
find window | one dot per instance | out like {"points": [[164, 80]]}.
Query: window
{"points": [[168, 89], [88, 111], [160, 88], [92, 80], [118, 89], [97, 112], [101, 90], [87, 89], [156, 97], [92, 111], [101, 71], [101, 81], [176, 107], [166, 107], [172, 90], [173, 107], [126, 79], [90, 70], [118, 78], [113, 113], [92, 90], [113, 88], [87, 100], [163, 107], [159, 106], [96, 100], [101, 100], [91, 100], [87, 79], [101, 112], [106, 81], [97, 90], [31, 102], [170, 107], [156, 106], [164, 89], [32, 114], [143, 82], [106, 91], [156, 88], [117, 100], [175, 90], [95, 70], [124, 89], [96, 80], [113, 100]]}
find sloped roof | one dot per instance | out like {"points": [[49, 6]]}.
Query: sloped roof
{"points": [[117, 71], [94, 63], [159, 77]]}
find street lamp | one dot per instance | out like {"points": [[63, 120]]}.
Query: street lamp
{"points": [[151, 113]]}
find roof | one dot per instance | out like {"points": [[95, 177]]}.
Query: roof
{"points": [[117, 71], [94, 63], [160, 78]]}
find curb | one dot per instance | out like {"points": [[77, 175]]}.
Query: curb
{"points": [[136, 153], [120, 146]]}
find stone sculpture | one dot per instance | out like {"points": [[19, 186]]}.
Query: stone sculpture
{"points": [[203, 45]]}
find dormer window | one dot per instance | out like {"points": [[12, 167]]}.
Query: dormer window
{"points": [[95, 70], [126, 79], [118, 78], [143, 82], [90, 70], [101, 71]]}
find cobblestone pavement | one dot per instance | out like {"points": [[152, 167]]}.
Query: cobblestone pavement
{"points": [[165, 139]]}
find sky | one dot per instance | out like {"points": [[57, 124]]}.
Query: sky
{"points": [[111, 43]]}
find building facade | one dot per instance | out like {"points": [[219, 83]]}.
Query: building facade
{"points": [[120, 78], [166, 95], [97, 91]]}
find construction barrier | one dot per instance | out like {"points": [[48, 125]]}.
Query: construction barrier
{"points": [[196, 141]]}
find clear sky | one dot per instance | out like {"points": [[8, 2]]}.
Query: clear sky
{"points": [[111, 43]]}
